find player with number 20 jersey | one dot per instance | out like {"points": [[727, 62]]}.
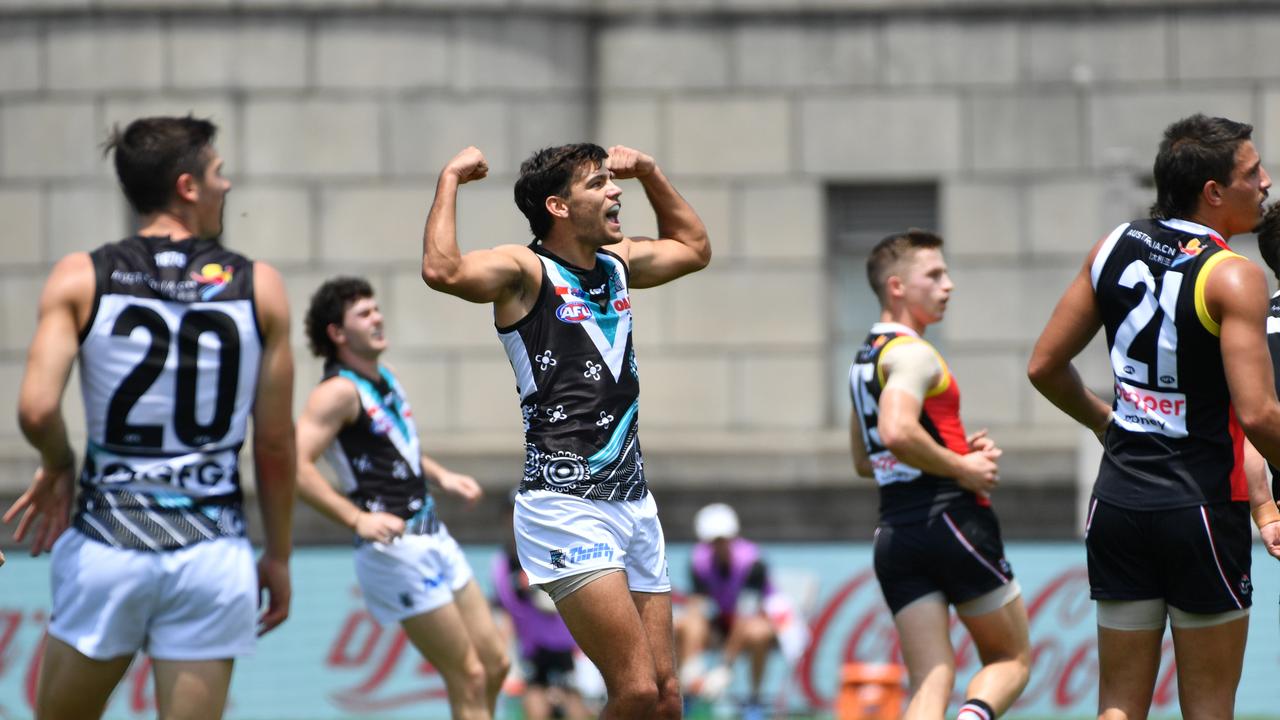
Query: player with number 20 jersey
{"points": [[169, 365], [179, 341]]}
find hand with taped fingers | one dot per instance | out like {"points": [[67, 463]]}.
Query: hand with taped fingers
{"points": [[627, 163], [468, 165], [47, 505], [379, 527]]}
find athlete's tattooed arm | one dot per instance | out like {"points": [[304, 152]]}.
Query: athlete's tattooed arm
{"points": [[682, 245]]}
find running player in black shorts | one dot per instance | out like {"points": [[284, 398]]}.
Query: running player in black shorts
{"points": [[179, 341], [938, 542], [1168, 527]]}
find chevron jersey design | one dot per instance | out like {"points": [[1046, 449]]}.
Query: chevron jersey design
{"points": [[908, 494], [1175, 441], [579, 387], [168, 370], [378, 458]]}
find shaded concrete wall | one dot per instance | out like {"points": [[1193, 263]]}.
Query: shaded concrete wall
{"points": [[1034, 118]]}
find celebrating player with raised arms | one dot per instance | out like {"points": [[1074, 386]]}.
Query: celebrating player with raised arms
{"points": [[587, 528]]}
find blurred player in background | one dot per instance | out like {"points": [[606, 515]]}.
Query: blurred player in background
{"points": [[732, 606], [1168, 526], [411, 571], [587, 527], [938, 542], [179, 340], [547, 650]]}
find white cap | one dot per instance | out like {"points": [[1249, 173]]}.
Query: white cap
{"points": [[716, 520]]}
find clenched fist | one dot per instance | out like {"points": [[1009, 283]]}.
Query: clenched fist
{"points": [[627, 163], [468, 165]]}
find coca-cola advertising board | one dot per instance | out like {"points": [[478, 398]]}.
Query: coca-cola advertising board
{"points": [[331, 660]]}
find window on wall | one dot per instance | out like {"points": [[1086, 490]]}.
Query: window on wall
{"points": [[858, 216]]}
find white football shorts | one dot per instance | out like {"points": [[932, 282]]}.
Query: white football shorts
{"points": [[559, 536], [195, 603], [411, 575]]}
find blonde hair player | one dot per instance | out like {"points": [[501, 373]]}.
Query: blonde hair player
{"points": [[938, 541]]}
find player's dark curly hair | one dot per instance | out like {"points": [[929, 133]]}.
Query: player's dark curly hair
{"points": [[152, 152], [1269, 238], [328, 304], [1194, 150], [549, 172], [885, 256]]}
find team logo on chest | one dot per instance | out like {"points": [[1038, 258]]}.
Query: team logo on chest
{"points": [[609, 326], [574, 313]]}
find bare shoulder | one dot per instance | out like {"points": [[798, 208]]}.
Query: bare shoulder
{"points": [[335, 399], [1234, 277], [520, 254], [268, 281], [71, 280], [270, 297]]}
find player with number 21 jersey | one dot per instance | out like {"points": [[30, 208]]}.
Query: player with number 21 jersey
{"points": [[1170, 387]]}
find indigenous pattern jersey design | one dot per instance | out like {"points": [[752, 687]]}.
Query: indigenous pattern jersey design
{"points": [[168, 369], [378, 458], [908, 494], [579, 387], [1273, 344], [1174, 441]]}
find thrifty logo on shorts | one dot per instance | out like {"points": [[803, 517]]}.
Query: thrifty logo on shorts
{"points": [[581, 554]]}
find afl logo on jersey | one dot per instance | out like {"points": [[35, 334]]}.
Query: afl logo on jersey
{"points": [[574, 312]]}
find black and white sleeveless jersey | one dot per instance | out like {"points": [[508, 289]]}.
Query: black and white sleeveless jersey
{"points": [[908, 494], [378, 458], [579, 387], [1174, 441], [168, 369], [1273, 344]]}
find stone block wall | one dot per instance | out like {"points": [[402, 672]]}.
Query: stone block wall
{"points": [[1035, 119]]}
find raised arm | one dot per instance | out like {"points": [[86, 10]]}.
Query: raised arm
{"points": [[273, 443], [910, 369], [64, 303], [1073, 324], [333, 405], [682, 245], [480, 276]]}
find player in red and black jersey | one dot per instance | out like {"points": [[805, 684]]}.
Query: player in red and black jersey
{"points": [[938, 542], [1168, 529]]}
